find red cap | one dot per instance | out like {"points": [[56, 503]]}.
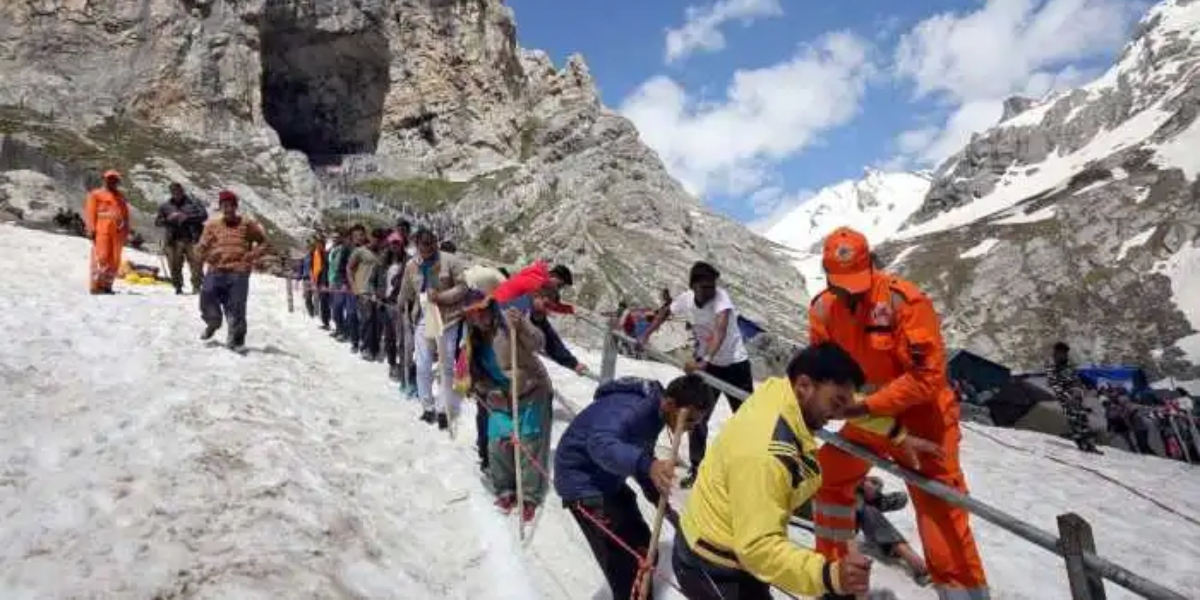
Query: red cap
{"points": [[111, 174], [227, 196], [847, 260]]}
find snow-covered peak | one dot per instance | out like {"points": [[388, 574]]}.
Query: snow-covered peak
{"points": [[876, 205]]}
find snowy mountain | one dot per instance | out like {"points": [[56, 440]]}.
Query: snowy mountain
{"points": [[1077, 218], [323, 112], [141, 463], [878, 204]]}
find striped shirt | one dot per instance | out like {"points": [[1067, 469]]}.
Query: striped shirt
{"points": [[224, 247]]}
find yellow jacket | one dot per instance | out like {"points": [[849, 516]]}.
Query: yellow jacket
{"points": [[759, 470]]}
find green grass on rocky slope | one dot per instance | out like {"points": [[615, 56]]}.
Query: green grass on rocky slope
{"points": [[122, 144]]}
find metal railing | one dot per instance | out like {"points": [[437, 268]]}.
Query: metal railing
{"points": [[1085, 569]]}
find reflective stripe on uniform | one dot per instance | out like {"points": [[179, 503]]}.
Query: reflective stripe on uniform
{"points": [[963, 593], [833, 510], [837, 534]]}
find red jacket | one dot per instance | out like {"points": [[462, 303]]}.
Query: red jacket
{"points": [[525, 283]]}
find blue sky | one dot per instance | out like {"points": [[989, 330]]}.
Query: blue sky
{"points": [[755, 104]]}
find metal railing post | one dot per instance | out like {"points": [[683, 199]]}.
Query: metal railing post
{"points": [[291, 306], [608, 360], [1074, 539]]}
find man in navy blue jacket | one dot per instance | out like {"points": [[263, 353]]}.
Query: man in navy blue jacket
{"points": [[610, 441]]}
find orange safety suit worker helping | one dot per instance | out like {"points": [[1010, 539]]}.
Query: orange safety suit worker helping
{"points": [[893, 331], [106, 218]]}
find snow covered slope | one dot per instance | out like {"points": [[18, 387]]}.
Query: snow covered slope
{"points": [[1091, 199], [139, 462], [877, 205]]}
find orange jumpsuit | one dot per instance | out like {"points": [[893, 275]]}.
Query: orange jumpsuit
{"points": [[106, 216], [895, 335]]}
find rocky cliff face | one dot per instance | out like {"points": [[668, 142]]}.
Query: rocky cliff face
{"points": [[1078, 218], [363, 109]]}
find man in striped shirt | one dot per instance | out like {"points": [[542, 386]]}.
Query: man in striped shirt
{"points": [[230, 245]]}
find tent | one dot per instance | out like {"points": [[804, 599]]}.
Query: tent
{"points": [[982, 374], [748, 328], [1015, 400], [1131, 378]]}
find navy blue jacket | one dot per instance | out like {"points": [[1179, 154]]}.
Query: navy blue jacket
{"points": [[611, 440]]}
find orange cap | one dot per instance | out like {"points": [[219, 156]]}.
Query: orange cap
{"points": [[111, 174], [847, 260]]}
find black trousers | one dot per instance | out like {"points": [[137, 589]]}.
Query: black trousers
{"points": [[702, 580], [738, 375], [387, 321], [619, 513], [324, 306], [481, 433]]}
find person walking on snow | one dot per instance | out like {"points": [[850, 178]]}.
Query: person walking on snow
{"points": [[733, 536], [106, 222], [610, 441], [721, 350], [359, 267], [230, 245], [435, 280], [492, 367], [1063, 380], [182, 220], [339, 290], [892, 330], [317, 277]]}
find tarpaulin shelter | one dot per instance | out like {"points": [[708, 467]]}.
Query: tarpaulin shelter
{"points": [[981, 373], [1131, 378], [749, 329]]}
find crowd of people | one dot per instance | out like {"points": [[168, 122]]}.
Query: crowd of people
{"points": [[411, 300], [876, 359]]}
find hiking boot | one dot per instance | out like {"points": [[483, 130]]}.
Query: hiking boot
{"points": [[394, 372], [922, 578], [428, 416], [353, 347], [687, 482], [1091, 449], [209, 331], [505, 503], [178, 291], [529, 512], [443, 421]]}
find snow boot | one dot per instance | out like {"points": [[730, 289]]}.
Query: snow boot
{"points": [[209, 331], [178, 291], [443, 421], [428, 416], [505, 503], [529, 512]]}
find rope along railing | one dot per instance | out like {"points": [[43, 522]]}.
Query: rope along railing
{"points": [[1084, 566]]}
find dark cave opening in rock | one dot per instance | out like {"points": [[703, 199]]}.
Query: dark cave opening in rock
{"points": [[323, 92]]}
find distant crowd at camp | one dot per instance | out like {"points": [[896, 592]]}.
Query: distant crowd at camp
{"points": [[876, 360]]}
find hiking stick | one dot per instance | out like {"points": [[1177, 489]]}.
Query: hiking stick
{"points": [[661, 513], [516, 424]]}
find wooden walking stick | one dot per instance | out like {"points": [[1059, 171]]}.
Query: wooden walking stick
{"points": [[661, 513], [516, 424]]}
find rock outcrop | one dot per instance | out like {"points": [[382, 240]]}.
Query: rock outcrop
{"points": [[323, 111], [1078, 218]]}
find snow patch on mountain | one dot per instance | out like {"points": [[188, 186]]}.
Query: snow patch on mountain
{"points": [[876, 205], [1183, 269]]}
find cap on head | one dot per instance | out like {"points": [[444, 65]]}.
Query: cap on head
{"points": [[847, 260], [227, 196], [111, 174]]}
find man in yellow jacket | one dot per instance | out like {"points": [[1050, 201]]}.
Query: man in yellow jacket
{"points": [[734, 541]]}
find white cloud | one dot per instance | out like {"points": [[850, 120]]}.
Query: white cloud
{"points": [[701, 30], [767, 115], [974, 61]]}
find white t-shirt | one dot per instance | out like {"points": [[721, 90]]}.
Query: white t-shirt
{"points": [[704, 323]]}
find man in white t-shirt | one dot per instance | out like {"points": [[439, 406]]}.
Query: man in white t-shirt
{"points": [[719, 348]]}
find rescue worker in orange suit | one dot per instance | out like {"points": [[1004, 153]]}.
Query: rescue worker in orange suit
{"points": [[106, 218], [893, 331]]}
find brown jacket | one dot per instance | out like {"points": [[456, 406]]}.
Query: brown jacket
{"points": [[531, 373], [227, 247], [450, 286]]}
